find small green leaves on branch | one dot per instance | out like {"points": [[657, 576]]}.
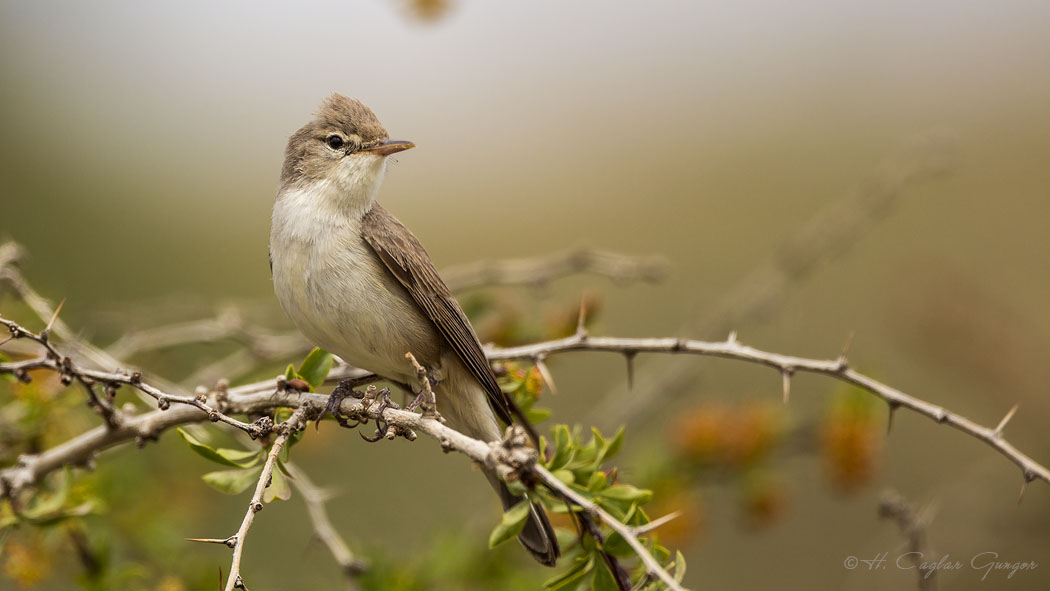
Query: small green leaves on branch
{"points": [[312, 371], [511, 524], [581, 485]]}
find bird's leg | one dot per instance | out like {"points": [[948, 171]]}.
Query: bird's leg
{"points": [[425, 398], [406, 391], [383, 396], [419, 399], [343, 390]]}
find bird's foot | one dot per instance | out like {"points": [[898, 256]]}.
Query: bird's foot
{"points": [[342, 391], [417, 401], [382, 429], [425, 401]]}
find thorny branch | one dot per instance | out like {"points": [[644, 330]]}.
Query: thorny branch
{"points": [[296, 422], [653, 568], [111, 381], [787, 366]]}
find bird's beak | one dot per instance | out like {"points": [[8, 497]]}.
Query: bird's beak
{"points": [[388, 147]]}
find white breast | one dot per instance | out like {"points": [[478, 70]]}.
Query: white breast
{"points": [[338, 293]]}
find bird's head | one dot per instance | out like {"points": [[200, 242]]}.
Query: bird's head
{"points": [[344, 146]]}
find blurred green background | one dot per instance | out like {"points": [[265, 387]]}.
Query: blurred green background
{"points": [[142, 143]]}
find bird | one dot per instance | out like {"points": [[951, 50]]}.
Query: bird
{"points": [[357, 283]]}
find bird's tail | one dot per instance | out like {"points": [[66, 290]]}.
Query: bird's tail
{"points": [[464, 404], [538, 536]]}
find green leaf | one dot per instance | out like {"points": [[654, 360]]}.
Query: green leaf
{"points": [[563, 450], [603, 578], [662, 554], [538, 415], [54, 501], [627, 492], [634, 516], [86, 508], [7, 377], [612, 447], [232, 482], [679, 566], [49, 509], [617, 546], [517, 488], [569, 578], [511, 524], [565, 476], [278, 488], [597, 482], [227, 457], [239, 457], [316, 366], [599, 441], [289, 372]]}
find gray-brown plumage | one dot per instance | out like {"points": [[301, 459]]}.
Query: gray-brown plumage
{"points": [[405, 257], [360, 285]]}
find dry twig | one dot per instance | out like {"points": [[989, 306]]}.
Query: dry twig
{"points": [[912, 526]]}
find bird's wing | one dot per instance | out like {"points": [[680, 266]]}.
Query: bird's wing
{"points": [[406, 260]]}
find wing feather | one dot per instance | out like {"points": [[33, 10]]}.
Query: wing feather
{"points": [[407, 261]]}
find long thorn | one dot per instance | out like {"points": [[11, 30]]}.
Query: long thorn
{"points": [[581, 318], [893, 412], [641, 529], [785, 383], [546, 375], [1028, 477], [629, 358], [54, 316], [1006, 419]]}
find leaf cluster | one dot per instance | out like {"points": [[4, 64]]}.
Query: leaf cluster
{"points": [[581, 462]]}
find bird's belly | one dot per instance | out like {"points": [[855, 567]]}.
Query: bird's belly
{"points": [[351, 306]]}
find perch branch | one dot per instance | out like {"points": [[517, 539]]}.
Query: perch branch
{"points": [[787, 366]]}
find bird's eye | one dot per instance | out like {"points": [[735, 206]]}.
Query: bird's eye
{"points": [[334, 141]]}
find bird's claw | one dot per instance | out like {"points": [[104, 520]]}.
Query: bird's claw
{"points": [[383, 396], [342, 391], [423, 400], [416, 401]]}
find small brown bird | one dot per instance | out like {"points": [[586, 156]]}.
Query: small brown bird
{"points": [[360, 285]]}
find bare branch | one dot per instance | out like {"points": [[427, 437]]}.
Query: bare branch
{"points": [[912, 525], [541, 271], [295, 423], [227, 325], [314, 498]]}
